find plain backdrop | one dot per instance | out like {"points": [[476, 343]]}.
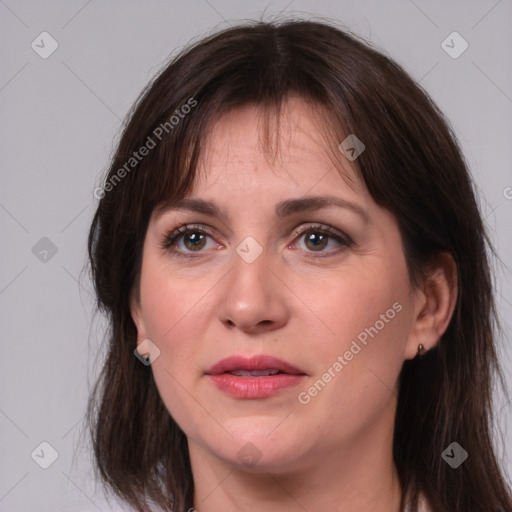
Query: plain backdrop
{"points": [[61, 114]]}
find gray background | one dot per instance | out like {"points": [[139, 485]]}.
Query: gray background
{"points": [[60, 119]]}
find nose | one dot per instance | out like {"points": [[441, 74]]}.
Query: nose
{"points": [[253, 298]]}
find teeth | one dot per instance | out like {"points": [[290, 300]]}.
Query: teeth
{"points": [[254, 373]]}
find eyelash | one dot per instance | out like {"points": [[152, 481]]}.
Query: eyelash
{"points": [[169, 240]]}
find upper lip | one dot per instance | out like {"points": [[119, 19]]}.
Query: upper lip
{"points": [[248, 363]]}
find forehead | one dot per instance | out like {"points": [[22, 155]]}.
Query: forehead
{"points": [[285, 160], [298, 142]]}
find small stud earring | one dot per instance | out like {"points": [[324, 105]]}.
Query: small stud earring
{"points": [[421, 349]]}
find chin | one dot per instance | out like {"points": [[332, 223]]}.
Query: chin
{"points": [[257, 451]]}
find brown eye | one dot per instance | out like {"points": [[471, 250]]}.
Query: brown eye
{"points": [[186, 240], [324, 240], [315, 240], [194, 241]]}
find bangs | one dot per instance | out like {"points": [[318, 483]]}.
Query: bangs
{"points": [[183, 158]]}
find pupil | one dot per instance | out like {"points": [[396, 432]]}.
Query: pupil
{"points": [[195, 240], [317, 240]]}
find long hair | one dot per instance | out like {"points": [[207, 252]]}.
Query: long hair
{"points": [[412, 165]]}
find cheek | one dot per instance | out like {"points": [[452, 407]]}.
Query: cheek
{"points": [[167, 301], [172, 317], [356, 300], [367, 312], [356, 377]]}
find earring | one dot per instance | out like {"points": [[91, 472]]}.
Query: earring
{"points": [[421, 349]]}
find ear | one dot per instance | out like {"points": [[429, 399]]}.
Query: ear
{"points": [[136, 314], [434, 304]]}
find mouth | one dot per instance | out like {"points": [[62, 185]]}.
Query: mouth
{"points": [[254, 366], [254, 377], [256, 373]]}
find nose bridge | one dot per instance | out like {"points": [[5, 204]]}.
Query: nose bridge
{"points": [[250, 265], [252, 296]]}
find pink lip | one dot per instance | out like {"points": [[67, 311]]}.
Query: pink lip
{"points": [[259, 362], [253, 387]]}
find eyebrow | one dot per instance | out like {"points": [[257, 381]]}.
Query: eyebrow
{"points": [[283, 209]]}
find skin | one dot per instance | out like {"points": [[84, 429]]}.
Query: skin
{"points": [[298, 301]]}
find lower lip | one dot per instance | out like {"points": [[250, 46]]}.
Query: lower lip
{"points": [[254, 387]]}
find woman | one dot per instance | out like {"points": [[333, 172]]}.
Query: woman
{"points": [[288, 240]]}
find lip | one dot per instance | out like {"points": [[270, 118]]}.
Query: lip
{"points": [[258, 362], [253, 387]]}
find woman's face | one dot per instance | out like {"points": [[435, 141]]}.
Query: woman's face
{"points": [[322, 286]]}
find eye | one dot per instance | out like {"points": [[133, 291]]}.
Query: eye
{"points": [[316, 238], [186, 240]]}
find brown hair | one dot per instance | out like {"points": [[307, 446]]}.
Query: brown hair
{"points": [[412, 166]]}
